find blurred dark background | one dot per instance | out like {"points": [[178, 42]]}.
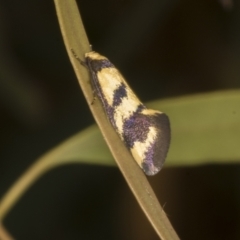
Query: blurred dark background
{"points": [[164, 49]]}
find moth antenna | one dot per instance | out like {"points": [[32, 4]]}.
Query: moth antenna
{"points": [[78, 58]]}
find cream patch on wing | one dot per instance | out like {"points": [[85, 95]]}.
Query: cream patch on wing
{"points": [[150, 112], [140, 148], [110, 80], [94, 55], [125, 110]]}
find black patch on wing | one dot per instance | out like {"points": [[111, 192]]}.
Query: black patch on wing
{"points": [[136, 127], [119, 94], [94, 66], [97, 65], [157, 151]]}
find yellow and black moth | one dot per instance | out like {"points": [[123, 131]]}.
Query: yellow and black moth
{"points": [[145, 132]]}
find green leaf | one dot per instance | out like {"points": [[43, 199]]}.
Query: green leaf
{"points": [[205, 127]]}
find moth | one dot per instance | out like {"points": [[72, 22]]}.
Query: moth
{"points": [[145, 132]]}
